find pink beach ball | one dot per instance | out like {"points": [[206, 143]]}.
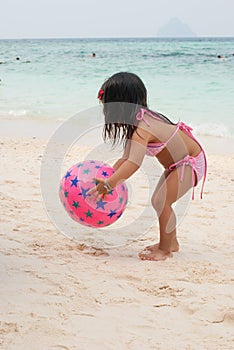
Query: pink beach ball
{"points": [[75, 184]]}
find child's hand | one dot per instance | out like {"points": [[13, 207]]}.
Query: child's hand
{"points": [[98, 191]]}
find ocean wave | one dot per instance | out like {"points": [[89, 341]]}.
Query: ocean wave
{"points": [[203, 129], [23, 114], [213, 129], [11, 114]]}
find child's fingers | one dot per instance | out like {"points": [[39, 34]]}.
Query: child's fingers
{"points": [[98, 181], [92, 190], [99, 196], [97, 192], [92, 194], [104, 196]]}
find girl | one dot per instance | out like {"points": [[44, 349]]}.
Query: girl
{"points": [[142, 131]]}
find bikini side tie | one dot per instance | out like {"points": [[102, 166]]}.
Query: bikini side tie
{"points": [[185, 127], [187, 160]]}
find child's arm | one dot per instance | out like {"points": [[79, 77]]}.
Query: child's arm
{"points": [[118, 163], [137, 148], [125, 155], [128, 167], [125, 170]]}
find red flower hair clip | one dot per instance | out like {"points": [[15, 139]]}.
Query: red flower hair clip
{"points": [[100, 94]]}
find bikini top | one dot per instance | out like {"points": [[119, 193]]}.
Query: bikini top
{"points": [[153, 148]]}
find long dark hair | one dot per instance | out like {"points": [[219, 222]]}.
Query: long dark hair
{"points": [[123, 95]]}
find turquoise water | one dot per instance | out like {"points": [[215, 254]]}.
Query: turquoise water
{"points": [[184, 77]]}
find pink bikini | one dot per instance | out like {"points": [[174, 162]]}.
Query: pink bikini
{"points": [[198, 163]]}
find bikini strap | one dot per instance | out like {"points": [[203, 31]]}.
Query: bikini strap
{"points": [[185, 161], [188, 130], [173, 134], [205, 173], [140, 116]]}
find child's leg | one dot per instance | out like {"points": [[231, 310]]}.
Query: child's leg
{"points": [[164, 196], [175, 244]]}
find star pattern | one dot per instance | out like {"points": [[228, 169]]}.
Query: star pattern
{"points": [[84, 192], [76, 204], [118, 216], [74, 181], [89, 214], [120, 199], [73, 186], [68, 174], [100, 222], [112, 213], [105, 173], [101, 204]]}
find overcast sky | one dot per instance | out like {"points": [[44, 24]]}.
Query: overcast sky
{"points": [[106, 18]]}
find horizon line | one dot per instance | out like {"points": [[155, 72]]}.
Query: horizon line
{"points": [[122, 37]]}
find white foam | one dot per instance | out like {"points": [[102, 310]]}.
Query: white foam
{"points": [[213, 129]]}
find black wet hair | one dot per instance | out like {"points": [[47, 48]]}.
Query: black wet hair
{"points": [[123, 95]]}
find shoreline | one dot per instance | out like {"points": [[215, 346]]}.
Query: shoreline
{"points": [[44, 130]]}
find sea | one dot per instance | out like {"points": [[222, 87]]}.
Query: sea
{"points": [[53, 79]]}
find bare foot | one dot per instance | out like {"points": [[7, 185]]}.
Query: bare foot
{"points": [[174, 247], [156, 254]]}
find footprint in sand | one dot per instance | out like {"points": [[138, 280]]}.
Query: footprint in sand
{"points": [[92, 250], [229, 316], [9, 181], [8, 327]]}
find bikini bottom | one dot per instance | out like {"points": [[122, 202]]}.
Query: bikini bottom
{"points": [[199, 167]]}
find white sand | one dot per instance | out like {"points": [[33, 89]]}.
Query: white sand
{"points": [[60, 294]]}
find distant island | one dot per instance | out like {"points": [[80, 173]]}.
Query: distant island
{"points": [[176, 28]]}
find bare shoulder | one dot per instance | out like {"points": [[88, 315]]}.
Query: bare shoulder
{"points": [[141, 136]]}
